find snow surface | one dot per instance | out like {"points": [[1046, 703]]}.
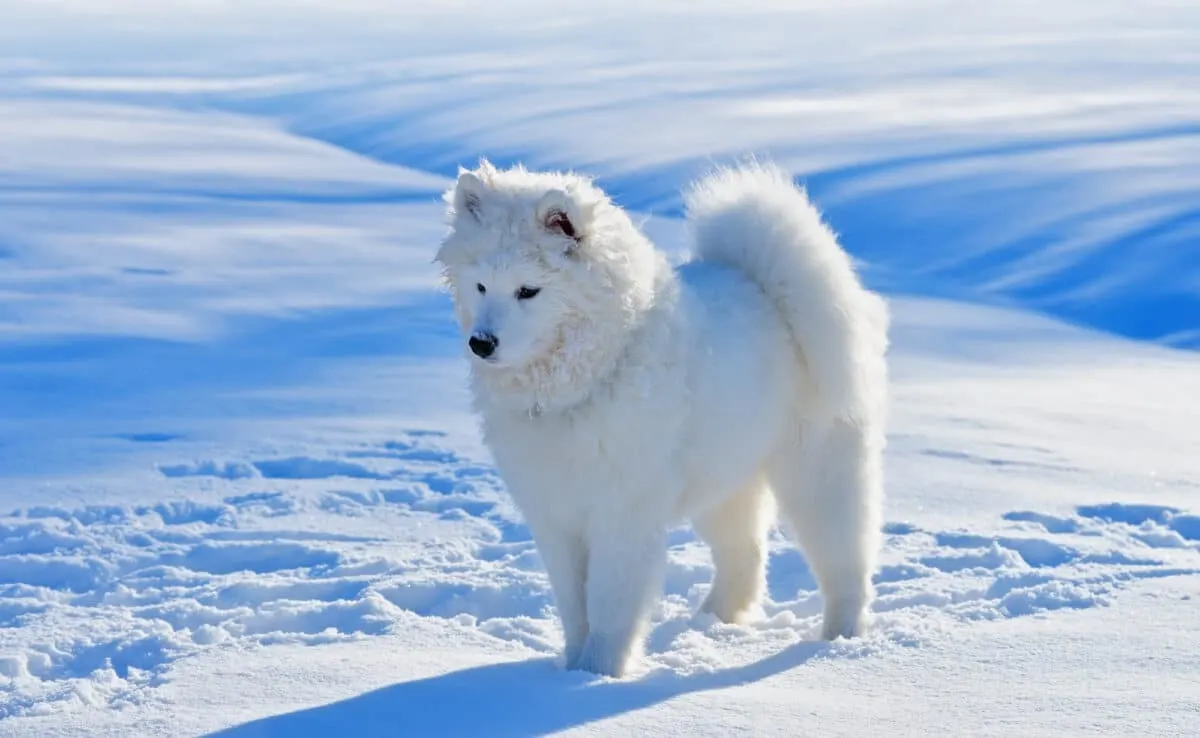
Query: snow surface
{"points": [[240, 488]]}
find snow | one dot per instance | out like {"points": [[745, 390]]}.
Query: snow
{"points": [[240, 486]]}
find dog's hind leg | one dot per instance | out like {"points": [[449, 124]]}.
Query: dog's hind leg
{"points": [[829, 487], [736, 533]]}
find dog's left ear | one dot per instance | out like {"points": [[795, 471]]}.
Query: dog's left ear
{"points": [[561, 215]]}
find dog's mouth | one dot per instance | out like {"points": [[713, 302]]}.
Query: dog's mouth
{"points": [[494, 362]]}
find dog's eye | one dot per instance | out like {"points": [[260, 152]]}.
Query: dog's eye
{"points": [[527, 292], [479, 286]]}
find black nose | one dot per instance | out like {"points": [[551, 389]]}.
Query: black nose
{"points": [[483, 345]]}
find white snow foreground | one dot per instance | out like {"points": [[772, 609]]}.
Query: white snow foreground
{"points": [[1040, 575]]}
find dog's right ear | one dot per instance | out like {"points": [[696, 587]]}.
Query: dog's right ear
{"points": [[467, 197], [465, 202]]}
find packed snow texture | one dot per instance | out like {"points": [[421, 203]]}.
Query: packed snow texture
{"points": [[240, 487]]}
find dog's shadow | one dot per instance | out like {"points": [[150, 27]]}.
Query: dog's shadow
{"points": [[523, 698]]}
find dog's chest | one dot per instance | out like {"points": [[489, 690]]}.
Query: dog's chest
{"points": [[573, 462]]}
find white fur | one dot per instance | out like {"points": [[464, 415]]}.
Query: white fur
{"points": [[628, 395]]}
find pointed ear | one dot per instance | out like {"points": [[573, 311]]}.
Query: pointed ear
{"points": [[466, 198], [559, 214]]}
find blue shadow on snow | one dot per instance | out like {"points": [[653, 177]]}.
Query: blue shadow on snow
{"points": [[521, 698]]}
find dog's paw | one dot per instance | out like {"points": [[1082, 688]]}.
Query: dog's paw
{"points": [[844, 622], [571, 654], [599, 656], [731, 612]]}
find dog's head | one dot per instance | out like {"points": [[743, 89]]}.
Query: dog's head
{"points": [[544, 270]]}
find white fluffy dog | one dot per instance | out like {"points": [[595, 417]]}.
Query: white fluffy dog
{"points": [[620, 395]]}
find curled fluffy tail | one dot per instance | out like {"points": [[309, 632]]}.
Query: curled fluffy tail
{"points": [[755, 219]]}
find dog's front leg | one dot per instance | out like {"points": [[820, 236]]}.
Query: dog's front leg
{"points": [[625, 563], [564, 554]]}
